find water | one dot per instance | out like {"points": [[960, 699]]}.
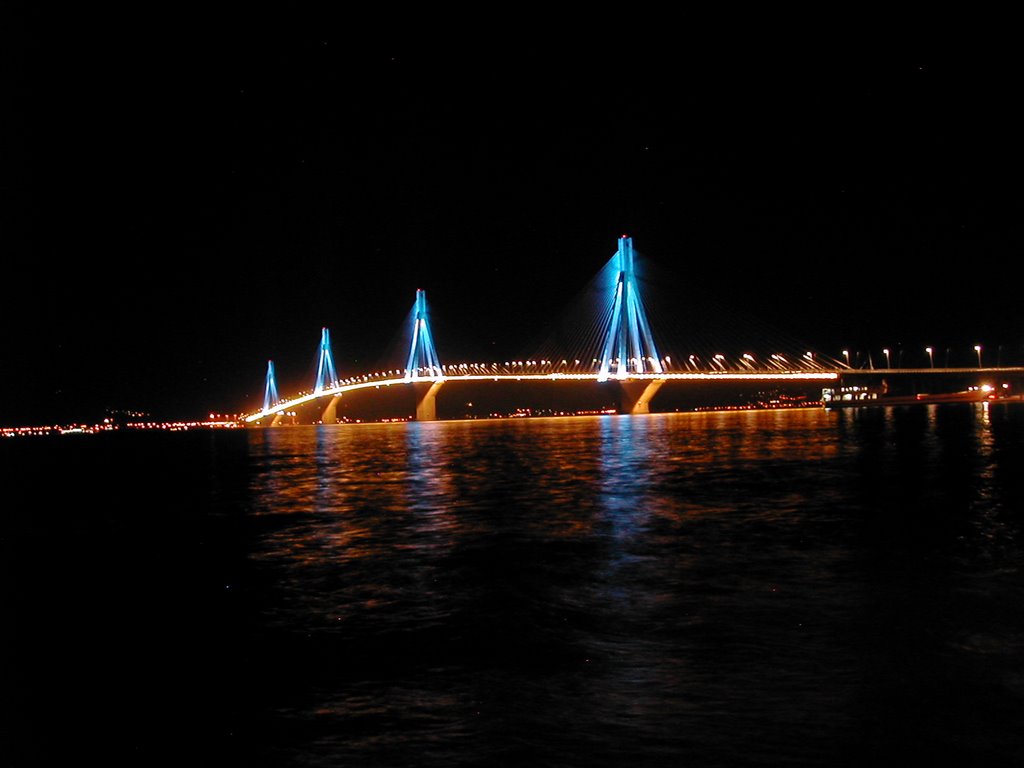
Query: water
{"points": [[759, 588]]}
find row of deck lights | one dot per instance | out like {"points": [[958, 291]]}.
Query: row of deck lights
{"points": [[692, 362], [717, 362], [929, 350]]}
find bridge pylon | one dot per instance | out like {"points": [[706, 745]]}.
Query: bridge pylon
{"points": [[423, 363], [628, 346], [326, 375], [270, 390]]}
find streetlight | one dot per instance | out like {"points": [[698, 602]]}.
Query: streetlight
{"points": [[977, 348], [846, 354], [887, 362]]}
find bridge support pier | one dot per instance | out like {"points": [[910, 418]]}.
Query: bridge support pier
{"points": [[637, 395], [330, 414], [276, 422], [426, 400]]}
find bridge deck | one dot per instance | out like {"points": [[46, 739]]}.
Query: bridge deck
{"points": [[834, 374], [369, 381]]}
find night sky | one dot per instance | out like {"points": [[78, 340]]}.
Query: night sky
{"points": [[180, 208]]}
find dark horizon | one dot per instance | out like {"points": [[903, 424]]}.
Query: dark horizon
{"points": [[223, 203]]}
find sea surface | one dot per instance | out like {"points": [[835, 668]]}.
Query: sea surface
{"points": [[798, 587]]}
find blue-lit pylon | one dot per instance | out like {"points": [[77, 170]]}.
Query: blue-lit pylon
{"points": [[270, 391], [422, 362], [325, 373], [628, 344]]}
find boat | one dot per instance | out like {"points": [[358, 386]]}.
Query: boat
{"points": [[860, 397]]}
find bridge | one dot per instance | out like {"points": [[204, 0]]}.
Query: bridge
{"points": [[619, 348]]}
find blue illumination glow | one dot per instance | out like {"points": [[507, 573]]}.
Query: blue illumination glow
{"points": [[270, 391], [628, 343], [325, 373], [422, 354]]}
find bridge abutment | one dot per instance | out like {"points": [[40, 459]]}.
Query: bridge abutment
{"points": [[426, 400], [637, 395]]}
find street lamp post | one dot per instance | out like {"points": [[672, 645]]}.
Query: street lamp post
{"points": [[977, 348], [931, 359], [846, 354], [887, 361]]}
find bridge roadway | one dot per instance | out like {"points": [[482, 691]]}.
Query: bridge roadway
{"points": [[1014, 369], [646, 382], [639, 388]]}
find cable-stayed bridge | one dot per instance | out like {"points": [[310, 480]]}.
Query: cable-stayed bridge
{"points": [[615, 343]]}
